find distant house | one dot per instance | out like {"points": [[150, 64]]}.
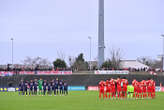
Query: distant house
{"points": [[132, 64], [124, 64]]}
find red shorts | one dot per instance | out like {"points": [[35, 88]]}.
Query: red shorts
{"points": [[144, 90], [135, 89], [119, 89], [153, 89], [102, 90], [113, 89], [125, 88], [139, 90], [149, 89], [108, 89]]}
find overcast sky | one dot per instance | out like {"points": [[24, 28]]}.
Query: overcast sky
{"points": [[45, 27]]}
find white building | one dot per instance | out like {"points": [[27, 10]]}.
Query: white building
{"points": [[132, 64]]}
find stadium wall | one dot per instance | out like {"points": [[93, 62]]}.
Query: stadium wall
{"points": [[75, 80]]}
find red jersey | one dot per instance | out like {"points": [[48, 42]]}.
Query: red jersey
{"points": [[125, 82], [101, 84], [118, 83], [153, 83], [143, 82], [108, 86], [153, 86], [135, 85], [148, 83], [143, 85], [112, 83], [107, 83], [139, 87], [133, 82]]}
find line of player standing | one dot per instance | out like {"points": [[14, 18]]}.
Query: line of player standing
{"points": [[144, 88], [43, 87], [118, 88]]}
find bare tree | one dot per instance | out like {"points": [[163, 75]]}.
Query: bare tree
{"points": [[71, 60], [145, 60], [153, 63], [37, 61], [44, 62], [157, 64], [115, 58], [61, 55]]}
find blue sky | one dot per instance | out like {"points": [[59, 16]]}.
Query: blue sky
{"points": [[45, 27]]}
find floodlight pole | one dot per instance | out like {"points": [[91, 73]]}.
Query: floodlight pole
{"points": [[101, 45], [163, 53], [90, 39], [12, 51]]}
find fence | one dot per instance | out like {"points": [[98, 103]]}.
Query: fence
{"points": [[75, 80], [11, 73]]}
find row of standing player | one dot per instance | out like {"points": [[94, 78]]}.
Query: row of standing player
{"points": [[118, 88], [144, 88], [43, 87]]}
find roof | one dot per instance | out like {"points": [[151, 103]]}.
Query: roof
{"points": [[132, 64]]}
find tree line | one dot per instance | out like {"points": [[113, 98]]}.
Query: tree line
{"points": [[80, 64]]}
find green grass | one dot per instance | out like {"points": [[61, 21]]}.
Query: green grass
{"points": [[77, 100]]}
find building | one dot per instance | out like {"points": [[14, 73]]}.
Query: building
{"points": [[124, 64], [133, 64]]}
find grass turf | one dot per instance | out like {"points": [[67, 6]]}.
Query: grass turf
{"points": [[77, 100]]}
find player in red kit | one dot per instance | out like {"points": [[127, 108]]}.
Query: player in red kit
{"points": [[125, 83], [134, 83], [152, 88], [119, 87], [119, 90], [143, 84], [113, 88], [101, 89], [149, 87], [108, 88], [138, 89]]}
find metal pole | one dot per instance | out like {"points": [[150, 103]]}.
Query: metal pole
{"points": [[163, 54], [12, 51], [90, 38], [101, 45]]}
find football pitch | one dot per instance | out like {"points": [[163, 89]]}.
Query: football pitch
{"points": [[77, 100]]}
